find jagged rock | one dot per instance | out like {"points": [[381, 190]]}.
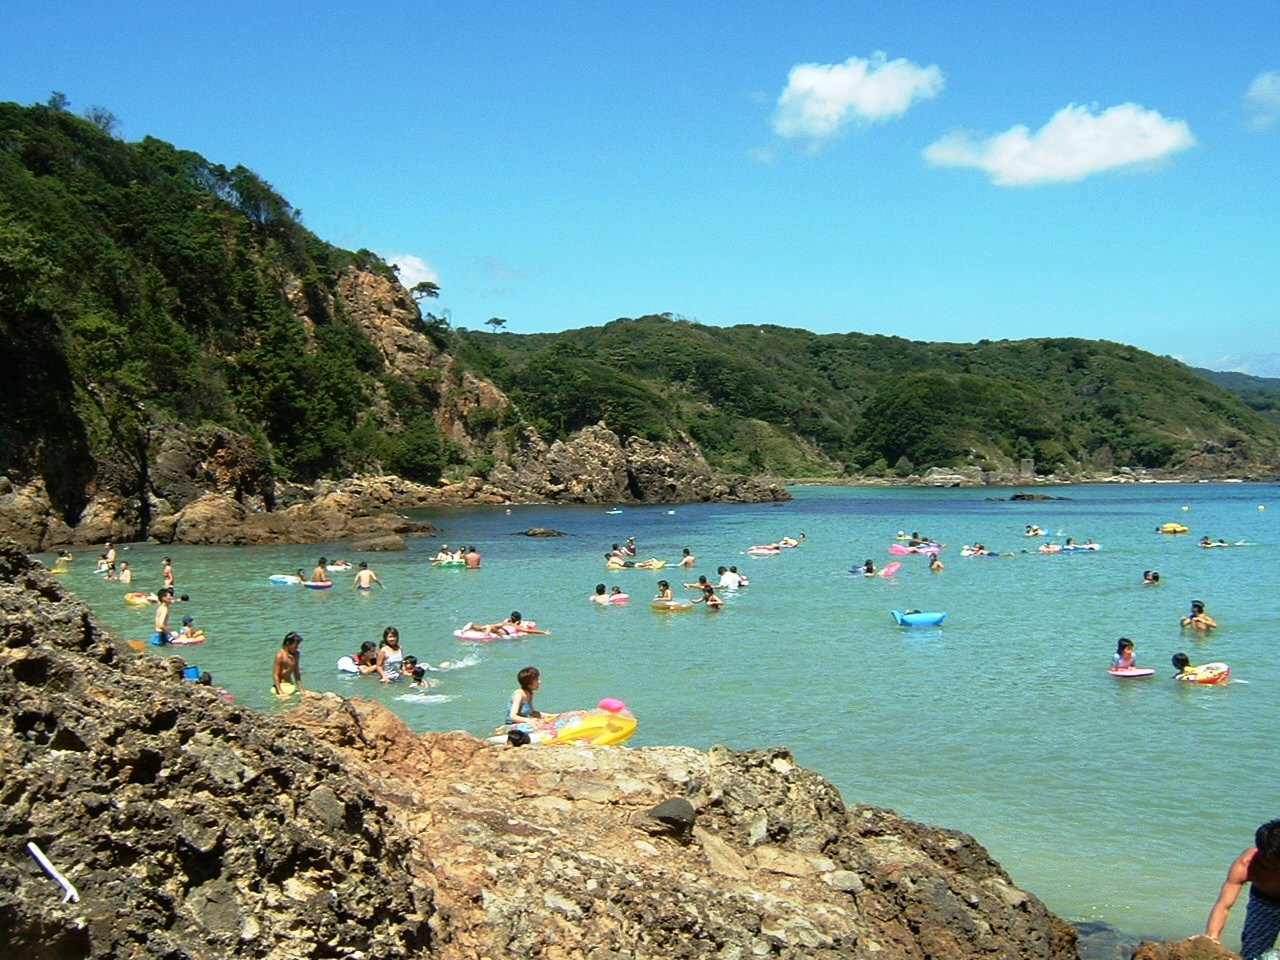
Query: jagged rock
{"points": [[390, 543], [540, 532], [385, 313], [190, 826], [188, 464], [675, 816], [597, 466], [109, 516], [28, 519], [334, 831], [218, 518], [1195, 948]]}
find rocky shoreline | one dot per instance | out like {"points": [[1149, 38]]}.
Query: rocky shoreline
{"points": [[211, 487], [192, 827]]}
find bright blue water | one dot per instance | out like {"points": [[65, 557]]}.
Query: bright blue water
{"points": [[1113, 800]]}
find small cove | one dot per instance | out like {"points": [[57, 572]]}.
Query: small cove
{"points": [[1116, 801]]}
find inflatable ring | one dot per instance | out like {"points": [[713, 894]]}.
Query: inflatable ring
{"points": [[1205, 673]]}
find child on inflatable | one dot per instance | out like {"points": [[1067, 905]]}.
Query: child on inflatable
{"points": [[1123, 660], [521, 708]]}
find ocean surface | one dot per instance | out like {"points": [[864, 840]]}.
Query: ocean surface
{"points": [[1120, 801]]}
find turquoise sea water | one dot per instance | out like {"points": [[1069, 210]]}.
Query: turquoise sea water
{"points": [[1113, 800]]}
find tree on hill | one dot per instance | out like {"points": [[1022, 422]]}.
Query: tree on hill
{"points": [[496, 322], [423, 289]]}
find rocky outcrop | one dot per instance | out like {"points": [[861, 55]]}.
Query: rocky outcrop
{"points": [[28, 518], [598, 466], [385, 313], [189, 464], [219, 519], [192, 827], [1197, 948]]}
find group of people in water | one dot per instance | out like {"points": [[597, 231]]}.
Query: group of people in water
{"points": [[109, 570], [468, 556], [729, 578], [385, 660]]}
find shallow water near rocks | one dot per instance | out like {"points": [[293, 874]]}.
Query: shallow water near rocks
{"points": [[1116, 801]]}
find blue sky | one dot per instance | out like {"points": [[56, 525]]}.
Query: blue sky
{"points": [[933, 170]]}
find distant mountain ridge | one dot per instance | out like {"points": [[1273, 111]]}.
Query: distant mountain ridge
{"points": [[781, 399]]}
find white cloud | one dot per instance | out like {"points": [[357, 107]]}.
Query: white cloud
{"points": [[412, 269], [822, 98], [1262, 100], [1074, 144]]}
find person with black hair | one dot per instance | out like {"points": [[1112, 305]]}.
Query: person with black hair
{"points": [[286, 671], [1198, 619], [1259, 866]]}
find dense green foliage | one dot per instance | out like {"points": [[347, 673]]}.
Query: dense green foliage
{"points": [[145, 284], [1260, 393], [777, 398]]}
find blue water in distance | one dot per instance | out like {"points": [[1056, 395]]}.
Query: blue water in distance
{"points": [[1114, 800]]}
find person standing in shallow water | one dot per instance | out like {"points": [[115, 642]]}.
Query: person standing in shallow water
{"points": [[287, 667], [162, 635], [366, 578]]}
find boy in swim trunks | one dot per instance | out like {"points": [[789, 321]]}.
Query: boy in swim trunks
{"points": [[162, 635], [366, 578], [1258, 866]]}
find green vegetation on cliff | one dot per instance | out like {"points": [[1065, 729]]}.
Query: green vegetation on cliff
{"points": [[794, 402], [140, 284]]}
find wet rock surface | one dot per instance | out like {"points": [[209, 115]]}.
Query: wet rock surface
{"points": [[193, 827]]}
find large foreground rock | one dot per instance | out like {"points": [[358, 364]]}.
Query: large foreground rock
{"points": [[195, 828]]}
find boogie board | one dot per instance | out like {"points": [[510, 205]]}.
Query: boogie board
{"points": [[1131, 672]]}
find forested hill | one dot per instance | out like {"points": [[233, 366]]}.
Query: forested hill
{"points": [[1260, 393], [143, 286], [798, 403]]}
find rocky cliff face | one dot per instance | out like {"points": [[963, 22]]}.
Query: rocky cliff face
{"points": [[192, 827], [212, 485], [598, 466]]}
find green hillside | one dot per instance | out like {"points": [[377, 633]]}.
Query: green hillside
{"points": [[141, 284], [1260, 393], [786, 400]]}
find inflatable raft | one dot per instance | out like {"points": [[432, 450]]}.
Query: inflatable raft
{"points": [[917, 618], [671, 606], [599, 727], [483, 636], [899, 549], [1205, 673]]}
